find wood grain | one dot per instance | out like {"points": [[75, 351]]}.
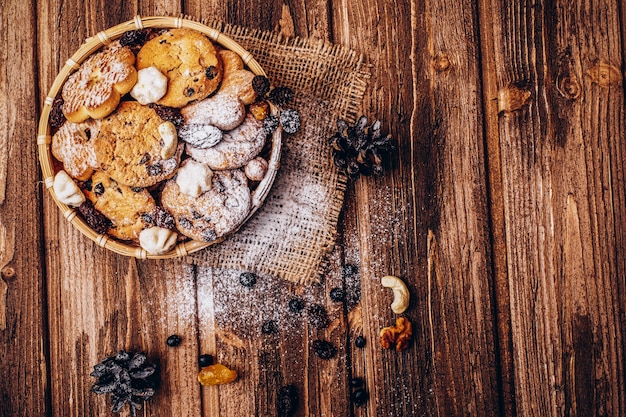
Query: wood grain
{"points": [[24, 375], [561, 147]]}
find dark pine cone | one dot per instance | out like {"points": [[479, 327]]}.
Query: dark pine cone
{"points": [[358, 149], [128, 377], [281, 95]]}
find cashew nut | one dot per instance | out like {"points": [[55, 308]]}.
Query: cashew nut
{"points": [[400, 293]]}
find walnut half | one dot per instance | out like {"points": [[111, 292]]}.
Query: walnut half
{"points": [[398, 335]]}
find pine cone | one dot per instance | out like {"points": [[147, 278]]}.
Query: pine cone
{"points": [[128, 377], [358, 149]]}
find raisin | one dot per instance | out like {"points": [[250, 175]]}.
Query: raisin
{"points": [[168, 114], [318, 317], [211, 72], [88, 185], [260, 85], [360, 342], [185, 223], [269, 327], [337, 294], [145, 158], [287, 402], [190, 92], [174, 340], [324, 349], [350, 270], [154, 170], [247, 279], [162, 218], [290, 120], [147, 217], [98, 189], [356, 382], [216, 374], [57, 118], [209, 235], [88, 134], [296, 305], [205, 360], [96, 220], [359, 397], [134, 37], [281, 95]]}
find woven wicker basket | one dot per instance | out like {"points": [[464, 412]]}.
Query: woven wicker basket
{"points": [[90, 46]]}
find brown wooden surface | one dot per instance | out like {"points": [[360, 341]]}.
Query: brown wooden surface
{"points": [[504, 209]]}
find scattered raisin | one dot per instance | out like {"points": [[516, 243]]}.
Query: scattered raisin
{"points": [[287, 402], [260, 85], [337, 294], [57, 118], [168, 114], [290, 120], [324, 349], [247, 279], [163, 218], [359, 397], [318, 317], [356, 382], [281, 95], [211, 72], [98, 189], [360, 342], [270, 124], [269, 327], [296, 305], [174, 340], [205, 360], [154, 170], [96, 220], [134, 37]]}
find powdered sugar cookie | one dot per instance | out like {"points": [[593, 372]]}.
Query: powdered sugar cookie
{"points": [[213, 214], [73, 145], [236, 148]]}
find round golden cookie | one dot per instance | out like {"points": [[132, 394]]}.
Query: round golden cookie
{"points": [[123, 205], [214, 213], [190, 62], [130, 149]]}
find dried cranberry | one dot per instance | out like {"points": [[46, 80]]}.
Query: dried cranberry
{"points": [[324, 349], [260, 85], [287, 402], [318, 317], [96, 220]]}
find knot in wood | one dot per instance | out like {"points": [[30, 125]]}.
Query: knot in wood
{"points": [[441, 63], [512, 97], [568, 86], [7, 272]]}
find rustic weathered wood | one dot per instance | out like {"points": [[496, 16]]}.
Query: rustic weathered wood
{"points": [[561, 134], [24, 376]]}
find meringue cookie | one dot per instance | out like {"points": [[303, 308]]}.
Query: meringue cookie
{"points": [[66, 190], [151, 86]]}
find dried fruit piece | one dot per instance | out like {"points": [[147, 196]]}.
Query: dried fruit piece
{"points": [[356, 382], [259, 109], [96, 220], [324, 349], [398, 335], [287, 402], [174, 340], [168, 114], [205, 360], [216, 374], [135, 37], [360, 342], [359, 397], [57, 118]]}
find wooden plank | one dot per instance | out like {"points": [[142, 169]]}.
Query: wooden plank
{"points": [[99, 302], [427, 221], [561, 129], [24, 387]]}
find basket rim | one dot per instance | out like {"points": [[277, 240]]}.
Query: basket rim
{"points": [[44, 139]]}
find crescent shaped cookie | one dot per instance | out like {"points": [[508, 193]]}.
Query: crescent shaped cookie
{"points": [[190, 62], [214, 213]]}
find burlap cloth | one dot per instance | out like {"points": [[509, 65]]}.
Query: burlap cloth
{"points": [[293, 233]]}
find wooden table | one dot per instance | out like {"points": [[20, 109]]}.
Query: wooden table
{"points": [[504, 209]]}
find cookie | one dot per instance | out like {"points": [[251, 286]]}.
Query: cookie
{"points": [[73, 145], [190, 62], [213, 214], [236, 148], [94, 90], [124, 206], [130, 147]]}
